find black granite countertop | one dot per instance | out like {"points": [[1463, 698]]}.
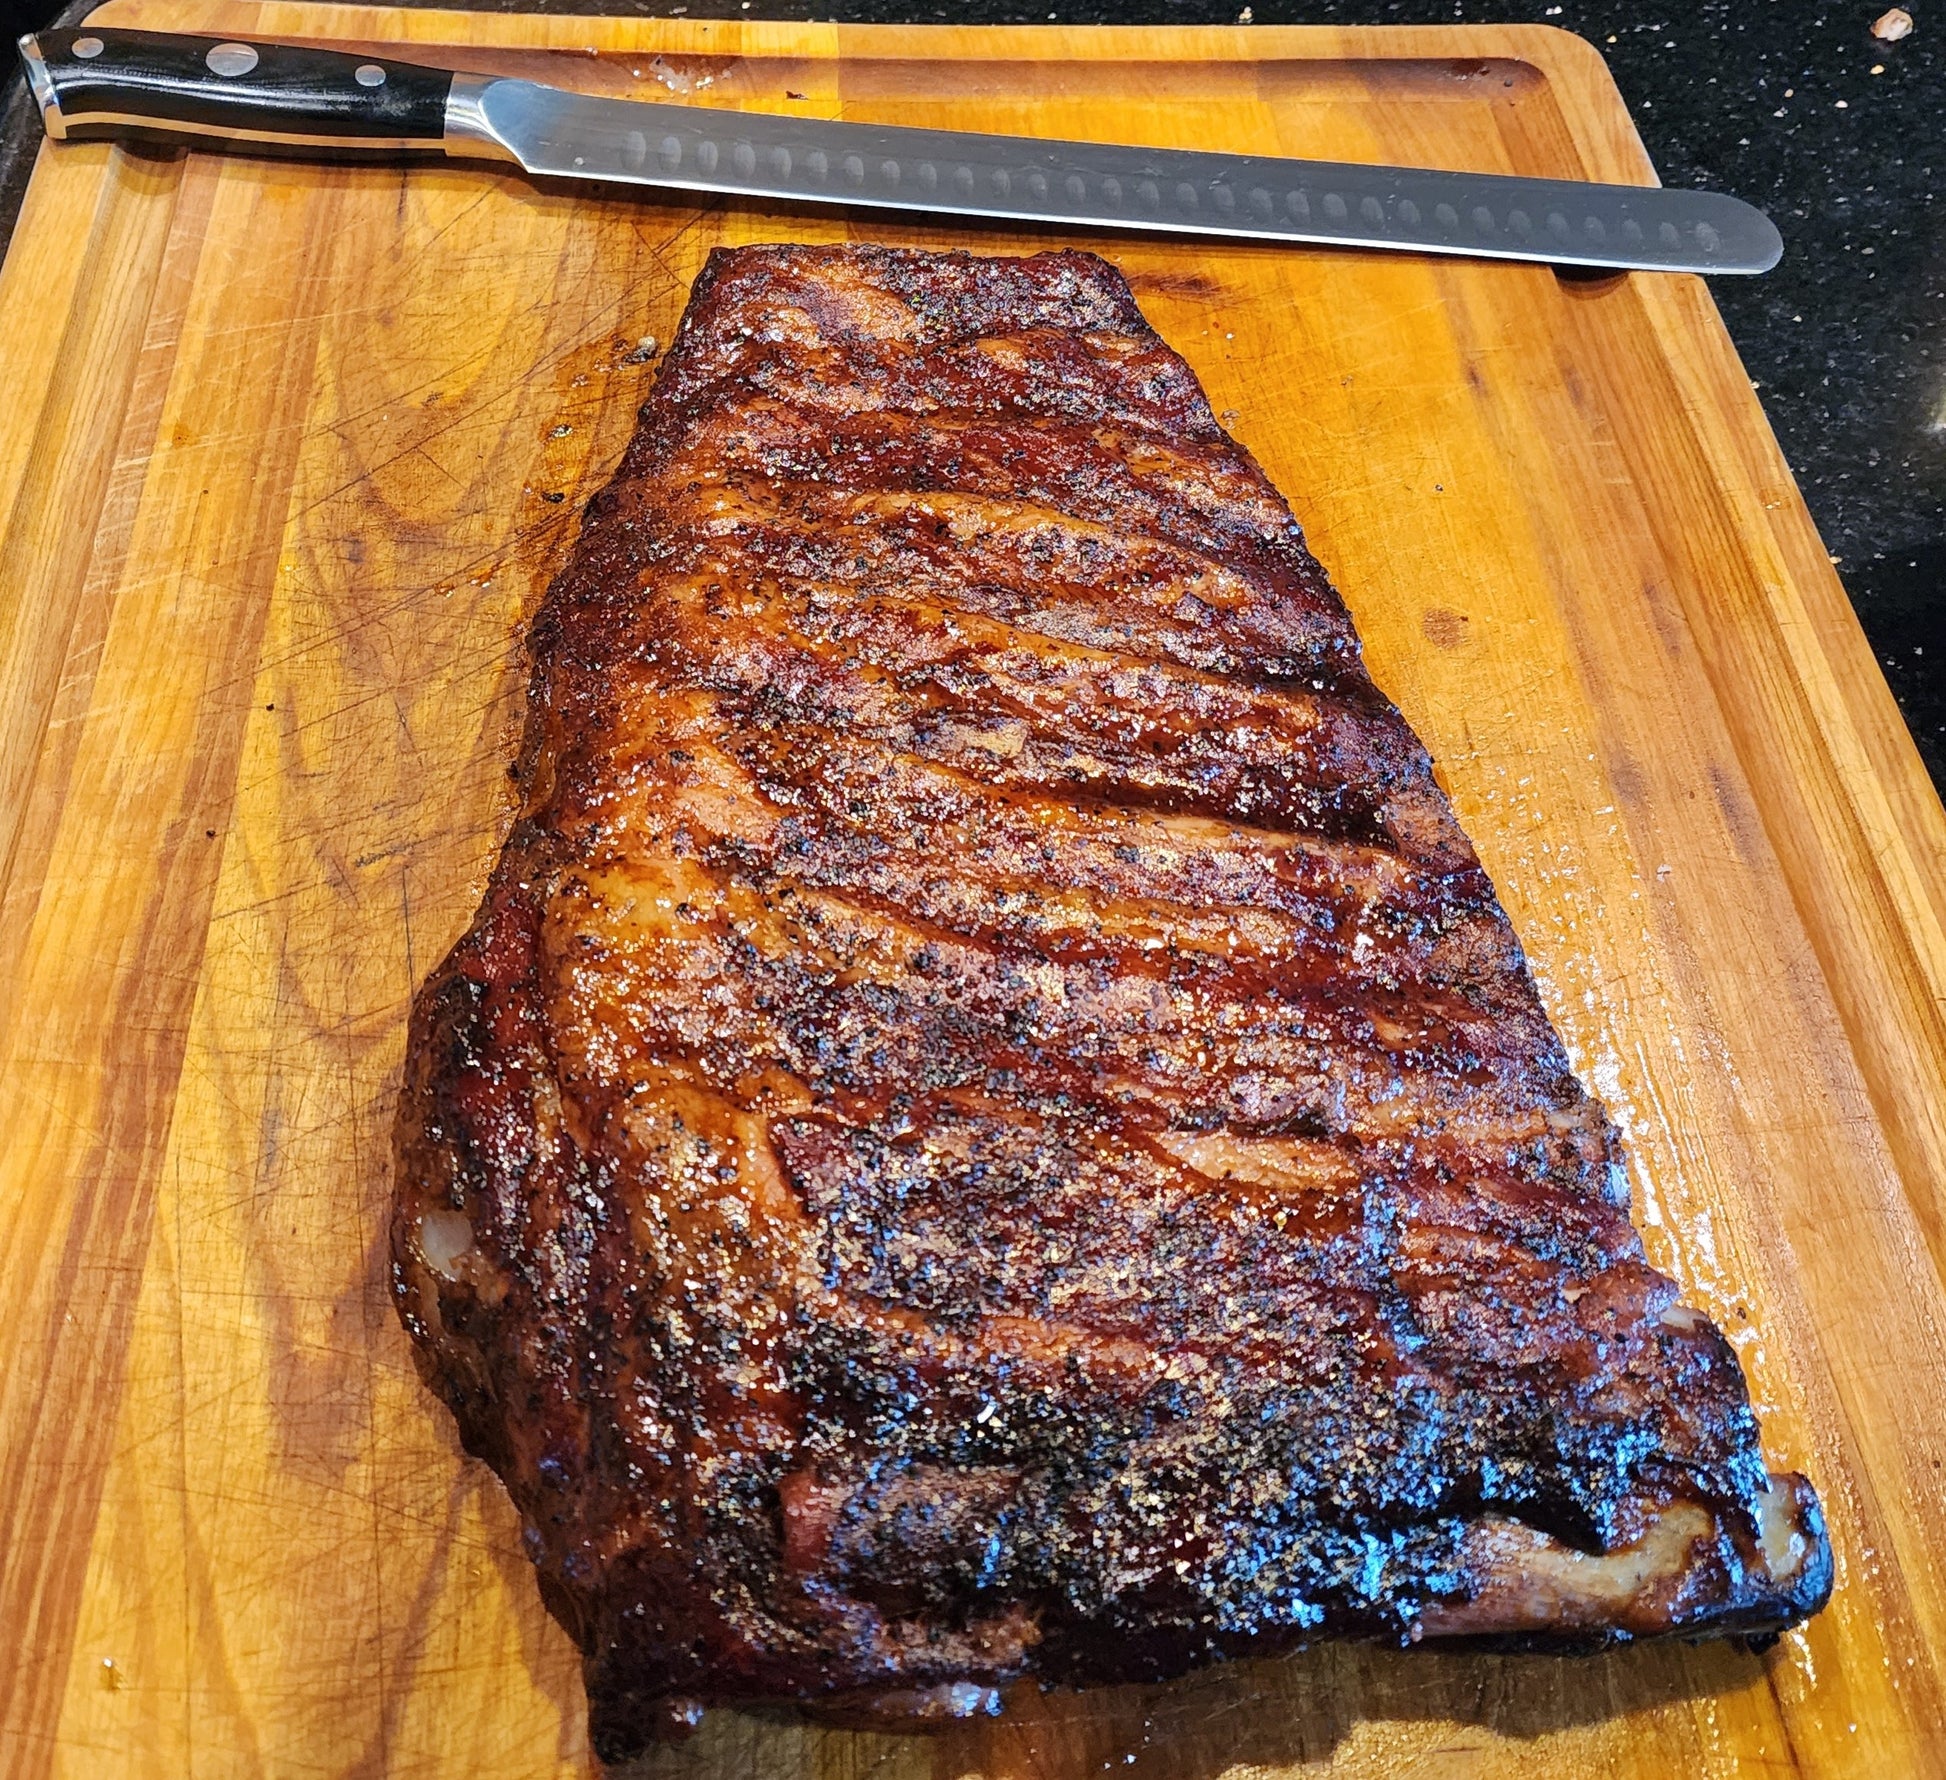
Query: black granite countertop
{"points": [[1793, 105]]}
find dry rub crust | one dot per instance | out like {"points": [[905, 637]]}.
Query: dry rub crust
{"points": [[990, 1122]]}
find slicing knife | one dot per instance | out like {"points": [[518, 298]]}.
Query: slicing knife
{"points": [[272, 97]]}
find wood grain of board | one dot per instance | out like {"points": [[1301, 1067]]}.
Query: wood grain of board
{"points": [[289, 451]]}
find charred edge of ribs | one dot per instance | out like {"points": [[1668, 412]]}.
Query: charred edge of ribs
{"points": [[990, 1123]]}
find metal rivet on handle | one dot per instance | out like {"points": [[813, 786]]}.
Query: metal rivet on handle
{"points": [[231, 59], [87, 48], [369, 74]]}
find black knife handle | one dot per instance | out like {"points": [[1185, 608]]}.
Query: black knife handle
{"points": [[96, 82]]}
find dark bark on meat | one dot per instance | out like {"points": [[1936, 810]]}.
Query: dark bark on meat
{"points": [[991, 1123]]}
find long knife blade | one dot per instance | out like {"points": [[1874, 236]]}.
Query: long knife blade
{"points": [[127, 82]]}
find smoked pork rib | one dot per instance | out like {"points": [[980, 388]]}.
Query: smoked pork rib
{"points": [[990, 1122]]}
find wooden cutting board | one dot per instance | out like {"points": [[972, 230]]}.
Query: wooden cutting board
{"points": [[287, 455]]}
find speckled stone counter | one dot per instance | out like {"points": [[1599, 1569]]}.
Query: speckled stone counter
{"points": [[1795, 106]]}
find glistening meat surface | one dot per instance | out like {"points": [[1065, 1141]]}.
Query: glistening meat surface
{"points": [[990, 1123]]}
